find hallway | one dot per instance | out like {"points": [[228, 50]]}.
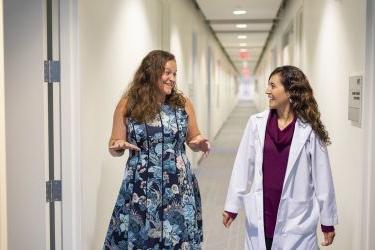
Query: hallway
{"points": [[213, 176], [64, 66]]}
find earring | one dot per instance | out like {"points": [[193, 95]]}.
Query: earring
{"points": [[290, 100]]}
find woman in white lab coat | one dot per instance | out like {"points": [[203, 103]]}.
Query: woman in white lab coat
{"points": [[282, 175]]}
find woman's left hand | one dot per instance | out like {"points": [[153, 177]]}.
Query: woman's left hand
{"points": [[200, 143], [328, 238]]}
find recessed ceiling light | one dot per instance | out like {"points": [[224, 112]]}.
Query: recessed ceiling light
{"points": [[243, 44], [241, 37], [239, 12], [241, 26]]}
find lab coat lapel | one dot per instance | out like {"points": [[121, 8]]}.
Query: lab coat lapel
{"points": [[261, 126], [300, 135]]}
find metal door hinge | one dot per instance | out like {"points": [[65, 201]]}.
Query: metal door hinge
{"points": [[51, 71], [53, 190]]}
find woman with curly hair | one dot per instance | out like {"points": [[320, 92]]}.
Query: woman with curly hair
{"points": [[282, 175], [159, 205]]}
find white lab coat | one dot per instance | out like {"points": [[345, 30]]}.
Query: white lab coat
{"points": [[307, 193]]}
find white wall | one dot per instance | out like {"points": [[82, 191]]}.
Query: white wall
{"points": [[113, 37], [332, 48], [184, 21], [3, 218], [329, 60]]}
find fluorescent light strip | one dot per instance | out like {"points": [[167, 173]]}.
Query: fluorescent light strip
{"points": [[239, 12], [241, 26]]}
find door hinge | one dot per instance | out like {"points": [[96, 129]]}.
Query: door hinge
{"points": [[51, 71], [53, 190]]}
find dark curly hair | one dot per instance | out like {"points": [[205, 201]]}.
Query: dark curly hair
{"points": [[302, 99], [142, 92]]}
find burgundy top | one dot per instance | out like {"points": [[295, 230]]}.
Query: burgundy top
{"points": [[275, 159]]}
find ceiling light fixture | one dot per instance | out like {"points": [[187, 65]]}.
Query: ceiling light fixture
{"points": [[241, 37], [241, 26], [243, 44], [239, 12]]}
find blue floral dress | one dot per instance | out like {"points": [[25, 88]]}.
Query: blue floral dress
{"points": [[159, 205]]}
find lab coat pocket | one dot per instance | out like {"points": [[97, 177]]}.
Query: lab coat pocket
{"points": [[301, 218], [251, 212]]}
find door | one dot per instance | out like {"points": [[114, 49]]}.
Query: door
{"points": [[209, 91], [31, 124]]}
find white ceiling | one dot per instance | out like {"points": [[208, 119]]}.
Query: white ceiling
{"points": [[259, 20]]}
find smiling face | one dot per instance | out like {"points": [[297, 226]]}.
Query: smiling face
{"points": [[278, 97], [168, 78]]}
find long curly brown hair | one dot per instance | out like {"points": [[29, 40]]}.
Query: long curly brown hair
{"points": [[142, 92], [302, 99]]}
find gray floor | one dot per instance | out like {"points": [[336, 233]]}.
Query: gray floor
{"points": [[213, 176]]}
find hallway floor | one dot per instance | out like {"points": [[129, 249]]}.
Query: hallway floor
{"points": [[213, 176]]}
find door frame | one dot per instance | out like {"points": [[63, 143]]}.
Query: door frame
{"points": [[3, 205], [368, 201], [70, 126]]}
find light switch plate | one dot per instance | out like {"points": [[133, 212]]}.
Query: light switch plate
{"points": [[355, 99]]}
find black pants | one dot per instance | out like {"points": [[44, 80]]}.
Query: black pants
{"points": [[268, 243]]}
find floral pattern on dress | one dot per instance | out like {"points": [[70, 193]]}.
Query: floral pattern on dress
{"points": [[159, 204]]}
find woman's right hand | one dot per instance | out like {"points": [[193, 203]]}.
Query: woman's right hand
{"points": [[117, 147], [227, 219]]}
